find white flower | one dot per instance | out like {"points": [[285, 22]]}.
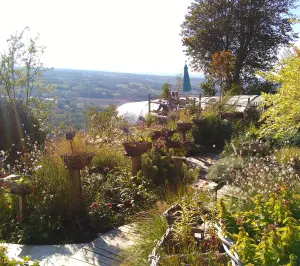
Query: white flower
{"points": [[37, 167]]}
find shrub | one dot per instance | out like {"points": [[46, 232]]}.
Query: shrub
{"points": [[159, 168], [288, 156], [263, 175], [283, 109], [150, 119], [268, 233], [108, 157], [225, 169], [166, 90], [287, 140], [106, 122], [212, 131], [19, 128]]}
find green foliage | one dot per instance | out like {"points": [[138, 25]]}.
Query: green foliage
{"points": [[215, 26], [288, 156], [20, 129], [282, 114], [166, 90], [236, 89], [108, 158], [212, 131], [208, 88], [21, 72], [287, 140], [257, 88], [224, 169], [150, 120], [159, 168], [268, 233], [105, 122], [115, 197], [137, 255]]}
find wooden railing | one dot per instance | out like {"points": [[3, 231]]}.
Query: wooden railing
{"points": [[199, 102]]}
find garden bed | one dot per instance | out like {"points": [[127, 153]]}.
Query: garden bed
{"points": [[199, 243]]}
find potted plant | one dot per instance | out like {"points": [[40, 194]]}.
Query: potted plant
{"points": [[76, 159], [184, 124], [137, 147], [197, 121], [172, 144], [169, 132], [156, 134]]}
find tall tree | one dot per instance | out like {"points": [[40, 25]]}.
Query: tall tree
{"points": [[253, 30], [21, 71], [221, 68]]}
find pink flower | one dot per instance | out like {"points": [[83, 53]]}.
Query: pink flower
{"points": [[285, 202], [109, 205], [94, 205]]}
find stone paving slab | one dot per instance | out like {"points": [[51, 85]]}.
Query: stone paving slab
{"points": [[103, 251]]}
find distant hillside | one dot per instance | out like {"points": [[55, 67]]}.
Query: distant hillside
{"points": [[101, 85]]}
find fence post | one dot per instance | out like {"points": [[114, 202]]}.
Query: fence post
{"points": [[149, 100], [200, 102]]}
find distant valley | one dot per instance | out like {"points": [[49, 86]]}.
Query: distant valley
{"points": [[100, 87], [75, 90]]}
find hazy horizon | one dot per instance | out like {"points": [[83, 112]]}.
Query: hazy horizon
{"points": [[192, 74]]}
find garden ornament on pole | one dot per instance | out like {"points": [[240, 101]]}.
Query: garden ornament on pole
{"points": [[186, 80]]}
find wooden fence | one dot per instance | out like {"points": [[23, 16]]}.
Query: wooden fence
{"points": [[200, 102]]}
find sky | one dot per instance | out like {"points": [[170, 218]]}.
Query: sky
{"points": [[134, 36]]}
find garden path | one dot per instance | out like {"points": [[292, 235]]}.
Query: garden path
{"points": [[103, 251], [203, 161]]}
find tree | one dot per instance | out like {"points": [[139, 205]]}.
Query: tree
{"points": [[221, 68], [259, 87], [166, 90], [179, 82], [283, 110], [253, 30], [208, 88], [21, 71]]}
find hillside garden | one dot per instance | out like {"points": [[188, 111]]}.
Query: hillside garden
{"points": [[64, 186], [260, 155]]}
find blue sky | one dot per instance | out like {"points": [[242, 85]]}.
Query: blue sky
{"points": [[138, 36]]}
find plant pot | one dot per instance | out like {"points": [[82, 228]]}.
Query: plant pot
{"points": [[197, 122], [157, 134], [16, 187], [171, 144], [169, 133], [184, 126], [136, 148], [77, 161]]}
